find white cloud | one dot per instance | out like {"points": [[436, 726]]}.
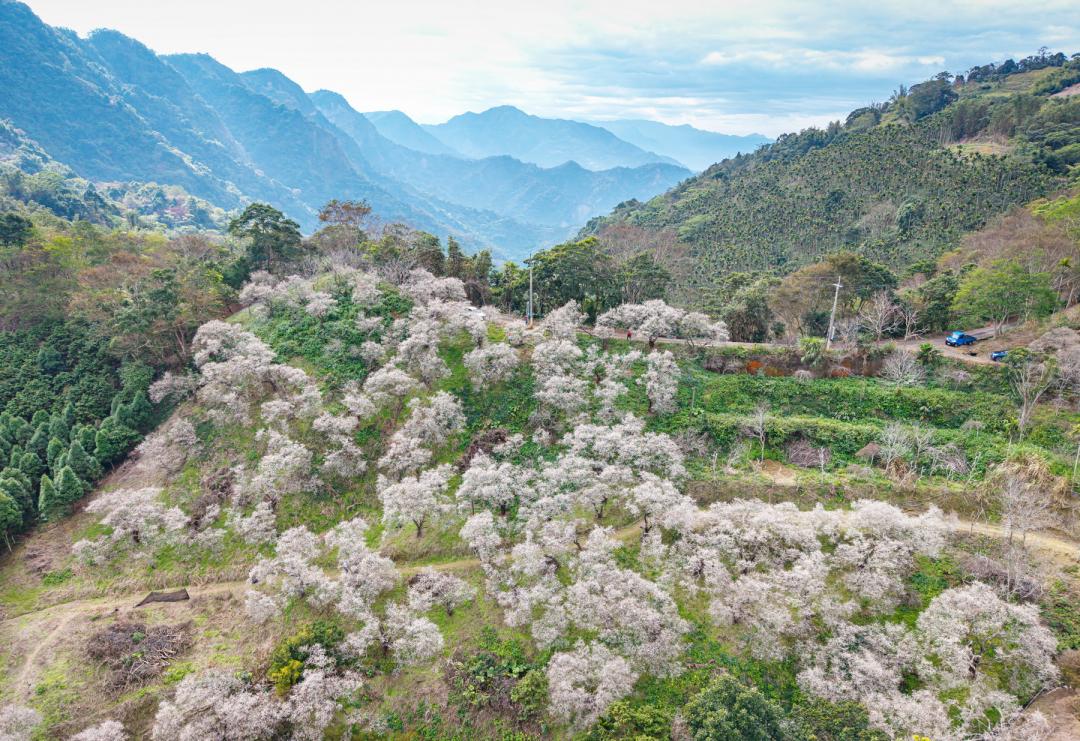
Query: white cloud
{"points": [[766, 65]]}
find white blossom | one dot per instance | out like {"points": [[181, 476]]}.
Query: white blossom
{"points": [[584, 682], [217, 705], [490, 364], [416, 499]]}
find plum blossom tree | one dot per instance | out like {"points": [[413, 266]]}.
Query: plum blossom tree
{"points": [[168, 449], [655, 319], [215, 704], [563, 394], [412, 638], [584, 682], [285, 468], [480, 534], [17, 723], [138, 519], [969, 633], [315, 701], [660, 500], [488, 483], [364, 573], [110, 730], [289, 574], [563, 323], [257, 528], [431, 588], [661, 382], [424, 288], [389, 385], [236, 368], [902, 369], [428, 427], [419, 351], [416, 499], [490, 364]]}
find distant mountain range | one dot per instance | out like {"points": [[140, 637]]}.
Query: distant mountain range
{"points": [[112, 111], [695, 148], [548, 142]]}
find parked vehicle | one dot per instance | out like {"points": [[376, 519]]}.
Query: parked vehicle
{"points": [[999, 355], [959, 339]]}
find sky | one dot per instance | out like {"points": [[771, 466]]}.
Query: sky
{"points": [[760, 66]]}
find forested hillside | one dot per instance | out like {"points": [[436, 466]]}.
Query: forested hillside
{"points": [[898, 182]]}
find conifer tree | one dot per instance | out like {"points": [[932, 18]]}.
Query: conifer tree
{"points": [[137, 414], [15, 485], [87, 437], [49, 505], [21, 430], [31, 465], [86, 467], [69, 488], [58, 430], [39, 442], [113, 440], [67, 416], [55, 449], [10, 517]]}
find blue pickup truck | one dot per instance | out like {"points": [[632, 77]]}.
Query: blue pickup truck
{"points": [[959, 339]]}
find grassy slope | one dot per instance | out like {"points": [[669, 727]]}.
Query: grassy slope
{"points": [[43, 660]]}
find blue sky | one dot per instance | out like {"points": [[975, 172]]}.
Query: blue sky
{"points": [[767, 66]]}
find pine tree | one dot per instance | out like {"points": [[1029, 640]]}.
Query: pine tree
{"points": [[41, 417], [87, 436], [10, 517], [21, 430], [85, 466], [15, 485], [55, 449], [455, 259], [113, 440], [31, 465], [69, 487], [67, 416], [58, 430], [137, 415], [39, 443], [15, 458], [50, 506]]}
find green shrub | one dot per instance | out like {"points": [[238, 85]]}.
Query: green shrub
{"points": [[820, 720], [287, 660], [729, 709], [624, 720]]}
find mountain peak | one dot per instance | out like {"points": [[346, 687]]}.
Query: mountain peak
{"points": [[548, 142]]}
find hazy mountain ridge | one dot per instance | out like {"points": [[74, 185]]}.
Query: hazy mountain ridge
{"points": [[695, 148], [552, 197], [400, 129], [548, 142]]}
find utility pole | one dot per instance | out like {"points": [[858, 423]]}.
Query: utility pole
{"points": [[832, 316], [530, 309]]}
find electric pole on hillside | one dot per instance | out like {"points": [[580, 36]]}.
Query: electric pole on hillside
{"points": [[832, 315], [529, 312]]}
